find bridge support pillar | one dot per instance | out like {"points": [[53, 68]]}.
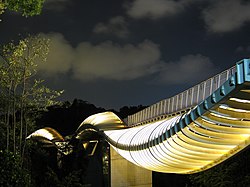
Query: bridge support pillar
{"points": [[126, 174]]}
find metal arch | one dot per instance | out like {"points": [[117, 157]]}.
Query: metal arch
{"points": [[212, 131]]}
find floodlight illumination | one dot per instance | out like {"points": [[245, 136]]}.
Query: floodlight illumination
{"points": [[192, 149], [125, 154], [240, 100], [46, 133], [184, 142], [207, 121], [203, 143], [247, 91], [142, 158], [244, 136], [234, 109], [223, 116]]}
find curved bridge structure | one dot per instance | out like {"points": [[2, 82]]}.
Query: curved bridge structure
{"points": [[188, 133]]}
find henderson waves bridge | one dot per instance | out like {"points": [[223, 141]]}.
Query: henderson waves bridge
{"points": [[188, 133]]}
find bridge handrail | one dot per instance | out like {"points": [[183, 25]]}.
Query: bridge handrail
{"points": [[183, 100]]}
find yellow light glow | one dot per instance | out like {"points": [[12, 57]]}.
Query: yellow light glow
{"points": [[197, 147], [233, 109], [223, 116], [46, 133], [239, 100]]}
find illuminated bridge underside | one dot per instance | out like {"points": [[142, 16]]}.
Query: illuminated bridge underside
{"points": [[194, 141], [176, 146], [211, 132]]}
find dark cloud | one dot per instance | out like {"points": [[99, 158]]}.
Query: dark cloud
{"points": [[60, 56], [226, 15], [105, 60], [153, 9], [115, 26], [109, 55], [243, 49], [189, 69], [56, 5], [111, 61], [218, 15]]}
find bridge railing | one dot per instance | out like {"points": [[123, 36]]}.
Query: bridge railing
{"points": [[183, 100]]}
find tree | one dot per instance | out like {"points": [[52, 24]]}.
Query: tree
{"points": [[2, 7], [125, 111], [11, 174], [25, 7], [23, 96], [232, 172]]}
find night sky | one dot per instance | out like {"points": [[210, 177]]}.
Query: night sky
{"points": [[114, 53]]}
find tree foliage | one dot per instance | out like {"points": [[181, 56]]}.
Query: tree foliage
{"points": [[22, 98], [11, 172], [233, 172], [125, 111], [21, 95], [25, 7], [2, 7]]}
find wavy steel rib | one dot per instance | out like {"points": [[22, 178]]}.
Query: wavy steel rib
{"points": [[214, 130]]}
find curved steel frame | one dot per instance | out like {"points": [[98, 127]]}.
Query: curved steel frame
{"points": [[201, 138]]}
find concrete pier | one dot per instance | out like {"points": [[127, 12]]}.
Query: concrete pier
{"points": [[126, 174]]}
